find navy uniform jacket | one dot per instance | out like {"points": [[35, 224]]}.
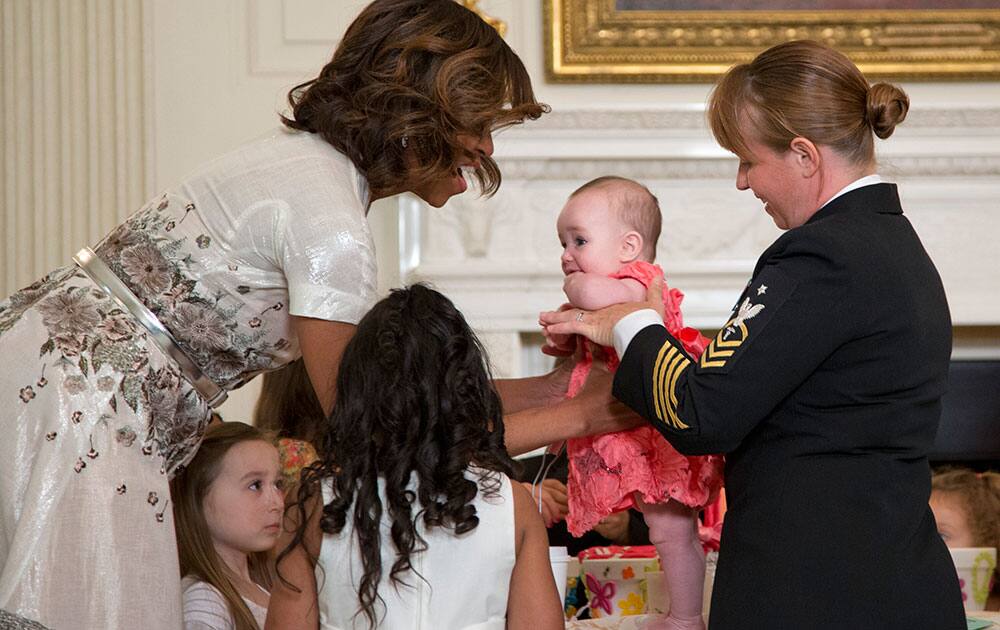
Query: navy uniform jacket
{"points": [[824, 389]]}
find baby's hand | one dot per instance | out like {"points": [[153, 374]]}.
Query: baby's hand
{"points": [[556, 344]]}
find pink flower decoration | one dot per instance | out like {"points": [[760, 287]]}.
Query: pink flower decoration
{"points": [[600, 594]]}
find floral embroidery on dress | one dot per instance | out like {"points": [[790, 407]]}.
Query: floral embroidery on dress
{"points": [[159, 266], [101, 352], [205, 329], [71, 313], [14, 307], [125, 436], [98, 347], [177, 416], [147, 268]]}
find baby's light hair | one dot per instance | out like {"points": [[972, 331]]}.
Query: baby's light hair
{"points": [[635, 206]]}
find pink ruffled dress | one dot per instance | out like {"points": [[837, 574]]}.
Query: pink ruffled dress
{"points": [[607, 471]]}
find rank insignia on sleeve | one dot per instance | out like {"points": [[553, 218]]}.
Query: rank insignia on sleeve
{"points": [[731, 337], [762, 296], [670, 364]]}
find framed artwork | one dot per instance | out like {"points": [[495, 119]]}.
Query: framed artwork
{"points": [[690, 41]]}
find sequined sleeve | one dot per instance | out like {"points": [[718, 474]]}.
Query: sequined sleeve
{"points": [[327, 252]]}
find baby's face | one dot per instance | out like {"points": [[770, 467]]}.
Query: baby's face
{"points": [[591, 234], [952, 523]]}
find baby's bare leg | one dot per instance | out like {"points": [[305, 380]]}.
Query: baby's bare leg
{"points": [[673, 529]]}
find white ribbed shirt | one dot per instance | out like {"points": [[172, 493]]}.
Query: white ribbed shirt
{"points": [[205, 608]]}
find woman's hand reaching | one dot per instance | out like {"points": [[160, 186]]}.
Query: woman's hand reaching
{"points": [[557, 344], [598, 326]]}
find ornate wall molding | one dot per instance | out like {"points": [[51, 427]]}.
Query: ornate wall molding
{"points": [[554, 169], [693, 117], [643, 169], [945, 166], [679, 118], [498, 258]]}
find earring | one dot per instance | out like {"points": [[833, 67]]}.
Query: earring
{"points": [[405, 141]]}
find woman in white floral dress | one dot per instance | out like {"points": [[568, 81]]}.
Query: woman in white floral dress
{"points": [[259, 256]]}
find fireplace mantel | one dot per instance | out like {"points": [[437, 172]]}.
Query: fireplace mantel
{"points": [[498, 258]]}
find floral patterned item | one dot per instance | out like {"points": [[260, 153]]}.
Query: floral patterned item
{"points": [[97, 418]]}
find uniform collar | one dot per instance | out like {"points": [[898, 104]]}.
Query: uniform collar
{"points": [[867, 180], [876, 196]]}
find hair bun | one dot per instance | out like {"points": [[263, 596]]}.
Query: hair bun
{"points": [[886, 107]]}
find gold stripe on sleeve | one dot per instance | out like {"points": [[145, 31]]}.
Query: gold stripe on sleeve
{"points": [[667, 389], [666, 351], [672, 407]]}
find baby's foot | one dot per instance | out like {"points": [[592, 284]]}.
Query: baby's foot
{"points": [[667, 622]]}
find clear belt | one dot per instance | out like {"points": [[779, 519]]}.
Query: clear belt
{"points": [[101, 274]]}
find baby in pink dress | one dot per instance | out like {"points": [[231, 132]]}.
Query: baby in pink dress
{"points": [[608, 229]]}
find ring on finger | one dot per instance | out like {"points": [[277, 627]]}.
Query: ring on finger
{"points": [[579, 316]]}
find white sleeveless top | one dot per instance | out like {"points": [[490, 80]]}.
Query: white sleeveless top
{"points": [[466, 577]]}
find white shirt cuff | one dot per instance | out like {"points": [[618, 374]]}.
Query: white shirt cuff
{"points": [[630, 325]]}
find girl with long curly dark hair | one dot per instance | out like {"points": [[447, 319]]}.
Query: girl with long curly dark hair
{"points": [[419, 520]]}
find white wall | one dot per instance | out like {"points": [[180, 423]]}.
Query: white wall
{"points": [[215, 72]]}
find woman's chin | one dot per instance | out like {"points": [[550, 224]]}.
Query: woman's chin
{"points": [[436, 201], [437, 193]]}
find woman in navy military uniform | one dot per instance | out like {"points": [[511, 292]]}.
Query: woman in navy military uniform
{"points": [[824, 386]]}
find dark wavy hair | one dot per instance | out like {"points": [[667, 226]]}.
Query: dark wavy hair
{"points": [[415, 400], [420, 70]]}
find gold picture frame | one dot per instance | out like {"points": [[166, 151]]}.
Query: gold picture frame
{"points": [[596, 41]]}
